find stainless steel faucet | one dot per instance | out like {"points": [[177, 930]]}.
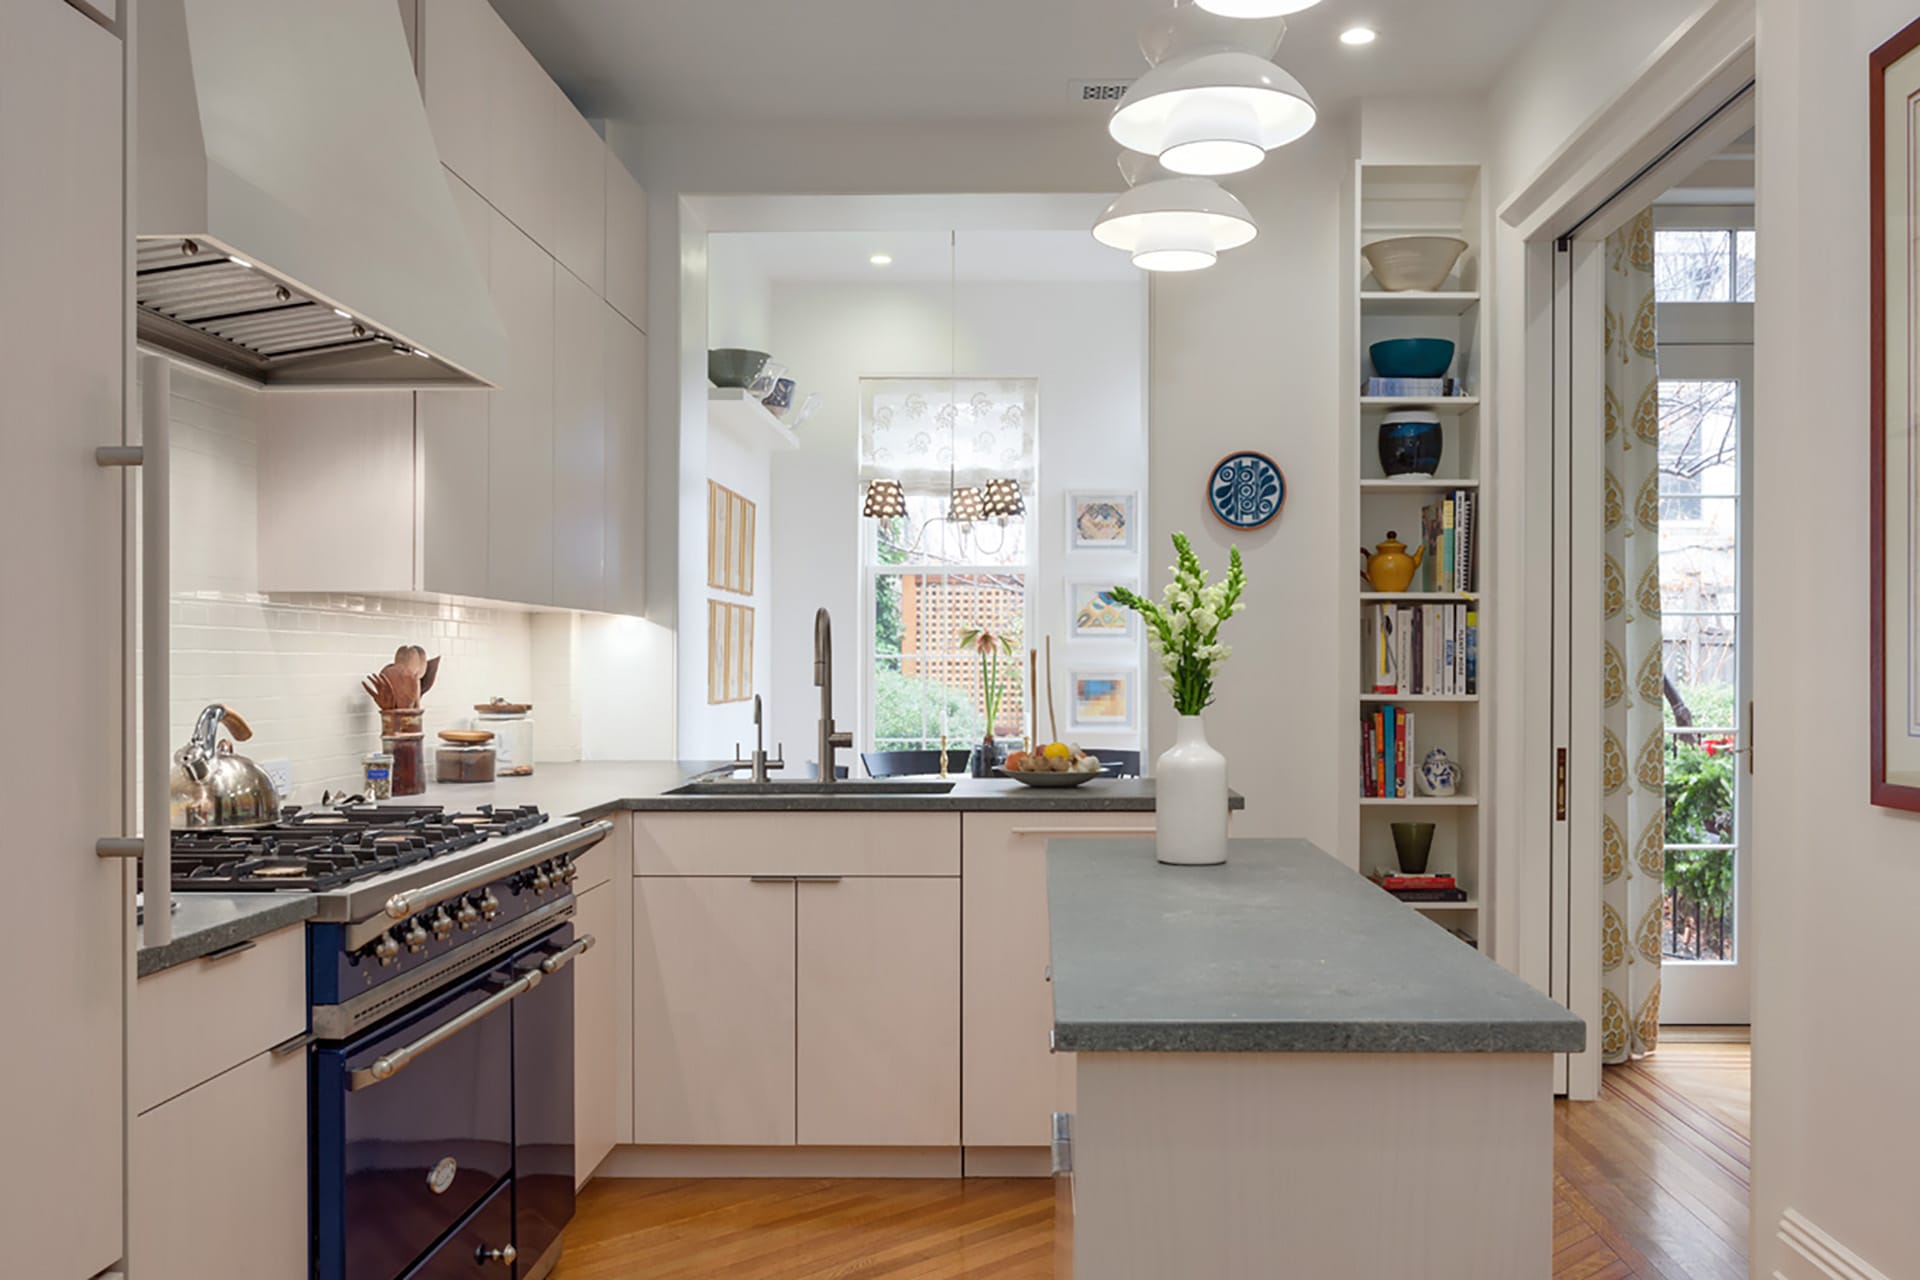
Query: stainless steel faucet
{"points": [[760, 762], [823, 677]]}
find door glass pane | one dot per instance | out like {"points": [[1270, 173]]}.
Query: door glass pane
{"points": [[1692, 266], [1743, 259], [1701, 672], [1698, 917], [1700, 556]]}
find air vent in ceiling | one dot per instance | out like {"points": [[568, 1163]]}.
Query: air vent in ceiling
{"points": [[1103, 93]]}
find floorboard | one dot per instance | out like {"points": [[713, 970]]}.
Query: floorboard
{"points": [[1650, 1183]]}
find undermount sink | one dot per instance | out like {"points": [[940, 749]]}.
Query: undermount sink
{"points": [[743, 787]]}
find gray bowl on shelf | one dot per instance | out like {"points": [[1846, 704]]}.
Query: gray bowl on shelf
{"points": [[734, 366]]}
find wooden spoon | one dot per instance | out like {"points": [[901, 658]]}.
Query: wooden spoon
{"points": [[428, 676]]}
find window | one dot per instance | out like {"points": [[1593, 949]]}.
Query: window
{"points": [[929, 578], [1703, 265]]}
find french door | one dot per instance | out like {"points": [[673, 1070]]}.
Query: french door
{"points": [[1706, 579]]}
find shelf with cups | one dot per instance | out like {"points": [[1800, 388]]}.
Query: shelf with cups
{"points": [[736, 411], [1415, 344]]}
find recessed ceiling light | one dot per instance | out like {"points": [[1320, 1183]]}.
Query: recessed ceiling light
{"points": [[1359, 35], [881, 259]]}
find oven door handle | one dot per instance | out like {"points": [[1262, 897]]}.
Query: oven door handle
{"points": [[389, 1065], [402, 905]]}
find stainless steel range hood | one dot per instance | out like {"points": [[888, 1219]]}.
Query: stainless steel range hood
{"points": [[295, 225]]}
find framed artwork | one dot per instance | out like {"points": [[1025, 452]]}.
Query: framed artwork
{"points": [[1093, 613], [730, 536], [1102, 521], [1101, 699], [729, 652], [1894, 394], [1246, 490]]}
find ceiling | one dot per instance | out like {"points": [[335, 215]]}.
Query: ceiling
{"points": [[918, 256], [1725, 179], [747, 61]]}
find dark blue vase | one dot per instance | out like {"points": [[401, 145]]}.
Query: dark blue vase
{"points": [[1410, 446]]}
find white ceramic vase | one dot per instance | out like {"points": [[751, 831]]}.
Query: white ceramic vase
{"points": [[1190, 799]]}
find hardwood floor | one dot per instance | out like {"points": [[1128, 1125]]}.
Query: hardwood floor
{"points": [[1650, 1183]]}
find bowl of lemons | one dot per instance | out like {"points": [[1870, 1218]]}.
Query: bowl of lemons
{"points": [[1057, 764]]}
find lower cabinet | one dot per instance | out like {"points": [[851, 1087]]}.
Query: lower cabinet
{"points": [[877, 1059], [602, 1041], [776, 1010], [219, 1176], [713, 1010], [1012, 1081]]}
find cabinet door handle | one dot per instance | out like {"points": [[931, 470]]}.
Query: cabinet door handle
{"points": [[817, 879], [231, 949], [772, 879], [1083, 831]]}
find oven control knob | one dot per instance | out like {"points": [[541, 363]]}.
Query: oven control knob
{"points": [[568, 872], [489, 905], [441, 924], [466, 914], [542, 880], [414, 935], [386, 950]]}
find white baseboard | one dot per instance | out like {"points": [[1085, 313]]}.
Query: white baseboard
{"points": [[1831, 1257], [781, 1162]]}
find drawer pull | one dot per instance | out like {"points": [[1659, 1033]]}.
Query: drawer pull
{"points": [[292, 1044], [817, 879], [773, 879], [231, 949], [504, 1255], [1072, 832]]}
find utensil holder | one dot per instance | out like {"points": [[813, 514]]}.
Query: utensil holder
{"points": [[409, 760]]}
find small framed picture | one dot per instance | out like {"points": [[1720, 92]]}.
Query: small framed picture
{"points": [[1093, 613], [1102, 521], [1102, 699]]}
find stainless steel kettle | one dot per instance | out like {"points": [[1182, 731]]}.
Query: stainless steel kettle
{"points": [[213, 787]]}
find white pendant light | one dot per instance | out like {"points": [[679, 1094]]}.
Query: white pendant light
{"points": [[1213, 112], [1255, 8], [1175, 224]]}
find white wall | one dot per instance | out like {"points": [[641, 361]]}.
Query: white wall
{"points": [[1084, 341], [1835, 1110], [1248, 356]]}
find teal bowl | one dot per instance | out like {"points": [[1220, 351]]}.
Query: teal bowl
{"points": [[1412, 357]]}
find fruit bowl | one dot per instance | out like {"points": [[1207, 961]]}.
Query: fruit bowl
{"points": [[1035, 778]]}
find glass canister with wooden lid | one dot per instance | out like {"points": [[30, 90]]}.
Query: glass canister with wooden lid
{"points": [[512, 726]]}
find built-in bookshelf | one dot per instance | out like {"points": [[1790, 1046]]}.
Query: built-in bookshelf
{"points": [[1393, 200]]}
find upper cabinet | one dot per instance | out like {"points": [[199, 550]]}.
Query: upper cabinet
{"points": [[626, 243], [534, 492]]}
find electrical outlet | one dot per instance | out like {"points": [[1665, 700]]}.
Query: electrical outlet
{"points": [[281, 773]]}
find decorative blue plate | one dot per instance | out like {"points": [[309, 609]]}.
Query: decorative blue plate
{"points": [[1246, 490]]}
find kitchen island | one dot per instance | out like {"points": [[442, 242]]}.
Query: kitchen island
{"points": [[1284, 1071]]}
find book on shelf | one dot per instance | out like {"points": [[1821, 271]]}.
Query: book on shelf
{"points": [[1429, 895], [1389, 751], [1440, 388], [1422, 649], [1423, 880], [1447, 533]]}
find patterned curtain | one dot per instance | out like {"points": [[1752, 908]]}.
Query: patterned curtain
{"points": [[1633, 760]]}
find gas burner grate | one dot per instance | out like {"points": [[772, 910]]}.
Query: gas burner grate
{"points": [[309, 851]]}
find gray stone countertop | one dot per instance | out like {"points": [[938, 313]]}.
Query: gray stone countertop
{"points": [[205, 922], [1283, 949]]}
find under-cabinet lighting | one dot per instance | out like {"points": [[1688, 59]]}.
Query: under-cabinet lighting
{"points": [[344, 315], [239, 262]]}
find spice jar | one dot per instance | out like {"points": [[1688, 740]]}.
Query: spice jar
{"points": [[464, 755], [377, 773], [512, 729]]}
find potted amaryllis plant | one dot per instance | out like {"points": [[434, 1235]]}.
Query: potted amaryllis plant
{"points": [[1183, 629], [991, 646]]}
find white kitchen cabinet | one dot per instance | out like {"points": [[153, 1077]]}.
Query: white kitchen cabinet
{"points": [[626, 243], [598, 1054], [1010, 1080], [219, 1176], [461, 53], [521, 130], [877, 1058], [260, 988], [62, 360], [579, 497], [579, 198], [713, 1010], [624, 543], [520, 423]]}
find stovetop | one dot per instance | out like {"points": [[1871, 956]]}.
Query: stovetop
{"points": [[312, 851]]}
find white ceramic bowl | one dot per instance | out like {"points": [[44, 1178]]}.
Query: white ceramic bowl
{"points": [[1413, 262]]}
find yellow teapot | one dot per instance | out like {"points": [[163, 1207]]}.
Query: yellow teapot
{"points": [[1389, 567]]}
